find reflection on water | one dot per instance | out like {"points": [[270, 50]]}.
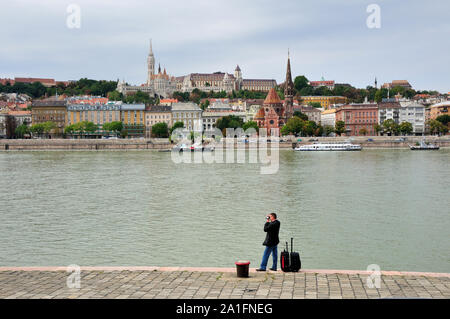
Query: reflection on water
{"points": [[345, 210]]}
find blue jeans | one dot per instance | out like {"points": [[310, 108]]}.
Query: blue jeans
{"points": [[267, 252]]}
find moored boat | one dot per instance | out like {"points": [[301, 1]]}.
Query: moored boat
{"points": [[329, 147], [424, 146]]}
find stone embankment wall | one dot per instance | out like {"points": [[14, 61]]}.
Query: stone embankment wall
{"points": [[380, 141], [84, 144], [164, 144]]}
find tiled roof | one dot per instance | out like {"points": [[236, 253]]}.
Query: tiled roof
{"points": [[260, 115], [272, 97], [19, 113], [389, 105], [159, 109], [187, 106], [31, 80], [49, 103]]}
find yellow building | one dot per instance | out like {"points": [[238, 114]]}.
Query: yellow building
{"points": [[132, 114], [439, 109], [95, 113], [325, 101], [155, 114]]}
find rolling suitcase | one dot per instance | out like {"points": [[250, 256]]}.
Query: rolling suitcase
{"points": [[284, 259], [295, 262]]}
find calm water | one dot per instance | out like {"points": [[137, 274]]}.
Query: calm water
{"points": [[346, 210]]}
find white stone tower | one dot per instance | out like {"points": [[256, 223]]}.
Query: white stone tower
{"points": [[238, 77], [150, 65]]}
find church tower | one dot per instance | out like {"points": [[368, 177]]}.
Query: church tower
{"points": [[238, 77], [288, 92], [150, 65]]}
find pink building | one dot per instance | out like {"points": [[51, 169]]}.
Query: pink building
{"points": [[359, 119]]}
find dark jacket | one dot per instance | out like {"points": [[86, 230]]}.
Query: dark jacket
{"points": [[272, 229]]}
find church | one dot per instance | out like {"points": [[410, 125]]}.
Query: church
{"points": [[159, 84], [163, 85], [274, 113]]}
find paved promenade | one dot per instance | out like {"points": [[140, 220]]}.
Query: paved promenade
{"points": [[176, 282]]}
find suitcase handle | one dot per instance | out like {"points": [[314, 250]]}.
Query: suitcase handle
{"points": [[292, 244]]}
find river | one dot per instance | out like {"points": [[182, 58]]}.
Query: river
{"points": [[346, 210]]}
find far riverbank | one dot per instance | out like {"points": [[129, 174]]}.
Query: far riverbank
{"points": [[387, 142]]}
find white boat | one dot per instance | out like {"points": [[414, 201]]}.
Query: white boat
{"points": [[423, 146], [196, 147], [329, 147]]}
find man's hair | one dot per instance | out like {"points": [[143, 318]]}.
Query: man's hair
{"points": [[274, 215]]}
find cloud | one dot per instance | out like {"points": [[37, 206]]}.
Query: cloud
{"points": [[325, 37]]}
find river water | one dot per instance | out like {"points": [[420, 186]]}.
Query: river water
{"points": [[346, 210]]}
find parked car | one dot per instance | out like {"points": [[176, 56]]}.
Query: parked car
{"points": [[370, 140]]}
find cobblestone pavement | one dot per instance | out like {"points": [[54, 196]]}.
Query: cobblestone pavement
{"points": [[218, 284]]}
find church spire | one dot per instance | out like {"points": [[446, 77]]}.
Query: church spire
{"points": [[288, 92], [288, 84], [150, 65]]}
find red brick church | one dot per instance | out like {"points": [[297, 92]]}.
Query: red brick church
{"points": [[274, 113]]}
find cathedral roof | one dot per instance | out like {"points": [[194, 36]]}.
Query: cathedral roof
{"points": [[238, 68], [272, 97]]}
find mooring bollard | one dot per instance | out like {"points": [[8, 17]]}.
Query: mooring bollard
{"points": [[242, 268]]}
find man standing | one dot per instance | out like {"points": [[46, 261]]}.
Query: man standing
{"points": [[272, 228]]}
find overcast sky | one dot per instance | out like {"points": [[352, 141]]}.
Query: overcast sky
{"points": [[326, 38]]}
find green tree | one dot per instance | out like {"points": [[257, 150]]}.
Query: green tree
{"points": [[285, 130], [230, 121], [294, 125], [89, 127], [250, 124], [339, 127], [204, 105], [22, 130], [363, 131], [160, 130], [115, 96], [315, 104], [176, 125], [48, 127], [444, 119], [115, 126], [309, 128], [378, 96], [437, 127], [378, 128], [328, 130], [405, 128], [301, 115], [37, 129], [390, 127], [301, 82]]}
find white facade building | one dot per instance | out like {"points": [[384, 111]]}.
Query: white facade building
{"points": [[216, 111], [328, 118], [413, 113], [189, 113]]}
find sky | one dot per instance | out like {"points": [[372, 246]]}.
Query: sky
{"points": [[326, 38]]}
